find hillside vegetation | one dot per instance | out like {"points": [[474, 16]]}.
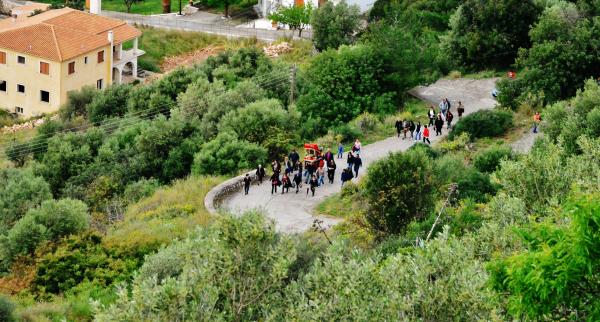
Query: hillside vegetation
{"points": [[102, 213]]}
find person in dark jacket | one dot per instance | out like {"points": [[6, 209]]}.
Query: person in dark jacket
{"points": [[247, 182], [460, 109], [418, 131], [294, 157], [313, 185], [439, 124], [275, 182], [350, 159], [310, 170], [285, 184], [357, 165], [398, 127], [298, 180], [449, 118], [260, 173], [346, 175], [412, 128], [331, 170]]}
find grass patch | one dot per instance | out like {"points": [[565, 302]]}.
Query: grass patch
{"points": [[145, 7], [161, 43], [302, 50], [166, 215]]}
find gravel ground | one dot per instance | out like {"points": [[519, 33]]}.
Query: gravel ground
{"points": [[294, 212]]}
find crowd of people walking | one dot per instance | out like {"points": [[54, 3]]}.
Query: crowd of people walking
{"points": [[437, 120], [294, 173]]}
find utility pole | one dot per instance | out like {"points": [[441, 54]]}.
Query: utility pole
{"points": [[292, 83]]}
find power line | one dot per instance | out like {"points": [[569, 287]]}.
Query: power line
{"points": [[130, 120]]}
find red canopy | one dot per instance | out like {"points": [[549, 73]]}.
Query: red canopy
{"points": [[313, 146]]}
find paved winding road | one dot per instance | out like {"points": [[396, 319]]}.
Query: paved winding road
{"points": [[294, 212]]}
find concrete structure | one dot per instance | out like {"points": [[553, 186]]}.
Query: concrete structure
{"points": [[45, 56], [27, 10]]}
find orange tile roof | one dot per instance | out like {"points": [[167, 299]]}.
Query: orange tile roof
{"points": [[62, 34]]}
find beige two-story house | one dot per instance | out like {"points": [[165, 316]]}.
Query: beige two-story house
{"points": [[45, 56]]}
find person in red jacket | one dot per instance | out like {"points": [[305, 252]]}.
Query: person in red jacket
{"points": [[426, 135]]}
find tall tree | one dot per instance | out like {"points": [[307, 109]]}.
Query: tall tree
{"points": [[296, 17], [334, 25], [490, 32]]}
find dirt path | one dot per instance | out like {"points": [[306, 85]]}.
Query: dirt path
{"points": [[293, 212]]}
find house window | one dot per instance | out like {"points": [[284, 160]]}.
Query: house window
{"points": [[100, 56], [71, 67], [19, 110], [21, 88], [20, 59], [2, 57], [3, 86], [45, 96], [85, 60], [99, 83], [44, 68]]}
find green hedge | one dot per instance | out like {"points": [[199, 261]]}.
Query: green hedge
{"points": [[484, 123]]}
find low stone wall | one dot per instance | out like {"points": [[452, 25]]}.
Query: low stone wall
{"points": [[215, 197]]}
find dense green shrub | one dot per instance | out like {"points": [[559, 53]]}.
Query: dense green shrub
{"points": [[563, 54], [230, 269], [140, 189], [347, 132], [62, 217], [449, 168], [80, 259], [7, 309], [20, 191], [484, 123], [109, 103], [475, 186], [257, 121], [349, 82], [334, 25], [489, 33], [564, 261], [488, 160], [77, 102], [226, 154], [399, 189], [48, 222]]}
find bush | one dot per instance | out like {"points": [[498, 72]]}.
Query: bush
{"points": [[50, 221], [399, 188], [226, 154], [20, 191], [484, 123], [77, 103], [490, 32], [108, 103], [334, 25], [475, 186], [489, 159], [61, 218], [80, 259], [563, 54], [140, 189], [347, 132], [6, 309]]}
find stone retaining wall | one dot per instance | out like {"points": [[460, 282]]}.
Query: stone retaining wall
{"points": [[216, 195]]}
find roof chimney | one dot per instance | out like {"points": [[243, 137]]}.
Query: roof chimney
{"points": [[111, 36], [95, 6]]}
